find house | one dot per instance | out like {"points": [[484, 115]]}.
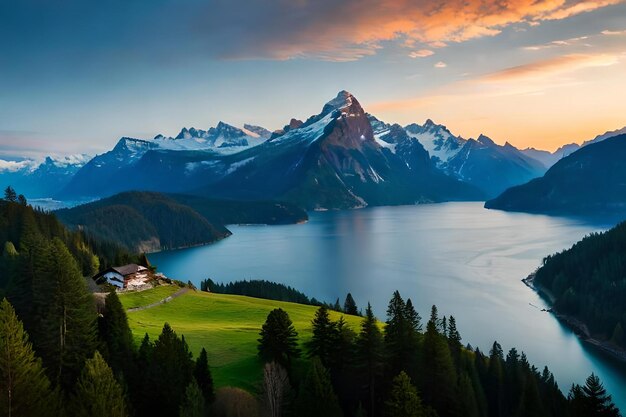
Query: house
{"points": [[131, 276]]}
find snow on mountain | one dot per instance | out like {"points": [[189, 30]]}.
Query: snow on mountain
{"points": [[223, 138], [440, 143]]}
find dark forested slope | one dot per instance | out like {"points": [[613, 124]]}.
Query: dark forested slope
{"points": [[588, 281], [591, 180]]}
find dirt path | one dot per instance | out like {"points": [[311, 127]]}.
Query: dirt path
{"points": [[163, 301]]}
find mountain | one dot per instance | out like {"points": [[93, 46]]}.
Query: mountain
{"points": [[40, 179], [480, 162], [491, 167], [332, 160], [223, 137], [591, 180], [440, 143], [550, 158]]}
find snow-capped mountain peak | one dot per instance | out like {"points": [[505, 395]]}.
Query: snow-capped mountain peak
{"points": [[440, 143]]}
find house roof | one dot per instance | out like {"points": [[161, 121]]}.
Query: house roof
{"points": [[128, 269], [123, 270]]}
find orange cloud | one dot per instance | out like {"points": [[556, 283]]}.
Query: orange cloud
{"points": [[422, 53], [553, 65], [352, 29]]}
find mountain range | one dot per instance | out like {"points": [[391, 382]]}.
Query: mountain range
{"points": [[342, 157], [591, 180]]}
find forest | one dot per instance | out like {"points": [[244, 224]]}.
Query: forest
{"points": [[588, 281], [62, 355]]}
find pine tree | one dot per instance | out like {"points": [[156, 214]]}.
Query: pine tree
{"points": [[413, 316], [194, 404], [97, 393], [171, 371], [316, 396], [400, 336], [323, 342], [370, 358], [404, 401], [467, 397], [438, 373], [454, 339], [202, 375], [495, 378], [349, 306], [596, 400], [10, 194], [65, 326], [25, 388], [279, 339], [116, 336]]}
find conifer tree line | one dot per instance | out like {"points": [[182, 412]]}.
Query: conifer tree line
{"points": [[588, 281], [406, 369], [59, 357]]}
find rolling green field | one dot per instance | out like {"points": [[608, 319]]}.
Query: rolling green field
{"points": [[227, 326]]}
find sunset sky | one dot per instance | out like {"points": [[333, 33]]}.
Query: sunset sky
{"points": [[77, 75]]}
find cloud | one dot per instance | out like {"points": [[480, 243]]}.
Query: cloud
{"points": [[557, 43], [550, 66], [441, 64], [14, 166], [613, 32], [353, 29], [422, 53]]}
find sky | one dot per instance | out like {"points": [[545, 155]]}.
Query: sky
{"points": [[76, 75]]}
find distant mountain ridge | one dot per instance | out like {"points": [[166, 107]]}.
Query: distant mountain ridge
{"points": [[591, 180], [340, 158]]}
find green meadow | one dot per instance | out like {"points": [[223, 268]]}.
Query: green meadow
{"points": [[227, 326]]}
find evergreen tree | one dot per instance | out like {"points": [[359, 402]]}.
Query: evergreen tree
{"points": [[337, 306], [22, 200], [316, 396], [279, 339], [25, 389], [400, 336], [323, 342], [404, 400], [349, 306], [439, 378], [116, 336], [454, 339], [65, 316], [194, 404], [171, 369], [370, 359], [592, 400], [467, 397], [202, 375], [413, 316], [494, 382], [10, 194], [97, 393]]}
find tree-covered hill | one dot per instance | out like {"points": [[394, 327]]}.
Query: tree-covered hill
{"points": [[148, 221], [592, 180], [588, 282], [143, 221]]}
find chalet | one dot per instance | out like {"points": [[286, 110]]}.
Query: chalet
{"points": [[129, 276]]}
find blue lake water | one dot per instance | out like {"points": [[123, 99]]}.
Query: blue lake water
{"points": [[467, 260]]}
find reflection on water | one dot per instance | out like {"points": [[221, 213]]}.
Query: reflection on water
{"points": [[467, 260]]}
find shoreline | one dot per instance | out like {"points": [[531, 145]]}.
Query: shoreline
{"points": [[577, 326]]}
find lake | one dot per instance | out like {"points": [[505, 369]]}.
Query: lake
{"points": [[467, 260]]}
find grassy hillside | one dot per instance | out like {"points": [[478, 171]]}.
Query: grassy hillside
{"points": [[227, 326]]}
